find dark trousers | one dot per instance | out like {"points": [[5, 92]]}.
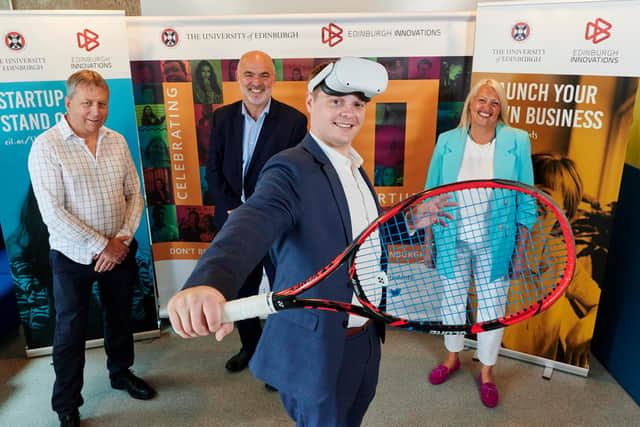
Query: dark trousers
{"points": [[72, 283], [355, 388], [250, 330]]}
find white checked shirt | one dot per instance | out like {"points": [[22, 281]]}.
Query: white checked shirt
{"points": [[362, 211], [84, 200]]}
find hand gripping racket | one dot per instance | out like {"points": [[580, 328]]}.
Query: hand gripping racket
{"points": [[465, 257]]}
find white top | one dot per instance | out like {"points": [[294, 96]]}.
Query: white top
{"points": [[362, 211], [477, 163], [84, 200]]}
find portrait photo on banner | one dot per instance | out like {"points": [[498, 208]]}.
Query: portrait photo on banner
{"points": [[157, 182], [164, 223], [150, 115], [175, 71], [154, 148], [148, 93], [206, 82], [196, 223]]}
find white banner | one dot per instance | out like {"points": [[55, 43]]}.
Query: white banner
{"points": [[302, 36], [595, 38], [428, 56], [241, 7], [84, 39]]}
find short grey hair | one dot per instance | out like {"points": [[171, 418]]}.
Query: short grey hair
{"points": [[87, 77]]}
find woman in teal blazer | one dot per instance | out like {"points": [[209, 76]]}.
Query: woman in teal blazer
{"points": [[483, 146]]}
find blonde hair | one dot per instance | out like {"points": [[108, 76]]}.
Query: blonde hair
{"points": [[559, 174], [465, 119], [86, 77]]}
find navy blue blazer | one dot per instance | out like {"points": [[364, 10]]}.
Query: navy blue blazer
{"points": [[299, 213], [283, 127]]}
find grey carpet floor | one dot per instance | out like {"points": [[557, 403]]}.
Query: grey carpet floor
{"points": [[195, 390]]}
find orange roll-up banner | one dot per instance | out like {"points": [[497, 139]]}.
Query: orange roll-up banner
{"points": [[570, 71]]}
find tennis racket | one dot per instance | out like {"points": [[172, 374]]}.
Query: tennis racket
{"points": [[465, 257]]}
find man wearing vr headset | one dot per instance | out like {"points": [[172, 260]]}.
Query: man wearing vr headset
{"points": [[308, 205]]}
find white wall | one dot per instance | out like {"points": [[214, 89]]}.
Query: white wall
{"points": [[224, 7]]}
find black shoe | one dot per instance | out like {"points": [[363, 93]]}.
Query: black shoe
{"points": [[70, 420], [136, 387], [269, 387], [240, 361]]}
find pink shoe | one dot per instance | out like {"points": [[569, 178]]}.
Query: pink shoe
{"points": [[441, 373], [488, 393]]}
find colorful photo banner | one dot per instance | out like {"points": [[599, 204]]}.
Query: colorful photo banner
{"points": [[570, 73], [184, 68], [33, 69]]}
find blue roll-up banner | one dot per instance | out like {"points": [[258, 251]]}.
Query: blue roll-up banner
{"points": [[34, 66]]}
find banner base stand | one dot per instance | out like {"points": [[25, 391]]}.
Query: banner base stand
{"points": [[548, 364], [138, 336]]}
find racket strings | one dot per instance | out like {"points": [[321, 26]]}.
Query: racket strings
{"points": [[489, 253]]}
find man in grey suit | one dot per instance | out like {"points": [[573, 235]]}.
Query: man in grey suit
{"points": [[309, 203]]}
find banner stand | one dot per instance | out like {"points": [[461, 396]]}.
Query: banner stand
{"points": [[548, 364], [33, 69], [99, 342]]}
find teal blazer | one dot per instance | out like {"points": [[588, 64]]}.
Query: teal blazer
{"points": [[512, 161]]}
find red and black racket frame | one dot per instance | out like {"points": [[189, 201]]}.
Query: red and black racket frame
{"points": [[288, 298]]}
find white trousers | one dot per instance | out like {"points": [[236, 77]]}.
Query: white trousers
{"points": [[473, 262]]}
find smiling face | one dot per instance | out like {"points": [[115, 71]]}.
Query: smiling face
{"points": [[336, 120], [87, 109], [256, 76], [485, 108], [205, 72], [174, 71]]}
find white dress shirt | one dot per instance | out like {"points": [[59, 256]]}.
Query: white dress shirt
{"points": [[84, 200], [362, 211]]}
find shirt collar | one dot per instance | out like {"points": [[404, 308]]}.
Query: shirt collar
{"points": [[353, 161], [67, 132], [264, 112]]}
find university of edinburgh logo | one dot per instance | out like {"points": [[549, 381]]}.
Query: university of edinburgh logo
{"points": [[331, 34], [170, 37], [520, 31], [14, 41]]}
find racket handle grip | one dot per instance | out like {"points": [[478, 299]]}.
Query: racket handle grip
{"points": [[246, 308]]}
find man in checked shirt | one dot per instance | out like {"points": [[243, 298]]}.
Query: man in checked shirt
{"points": [[88, 193]]}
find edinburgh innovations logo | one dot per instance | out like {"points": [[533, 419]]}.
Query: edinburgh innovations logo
{"points": [[331, 34], [597, 31], [87, 40]]}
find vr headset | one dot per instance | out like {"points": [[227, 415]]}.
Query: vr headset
{"points": [[350, 75]]}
